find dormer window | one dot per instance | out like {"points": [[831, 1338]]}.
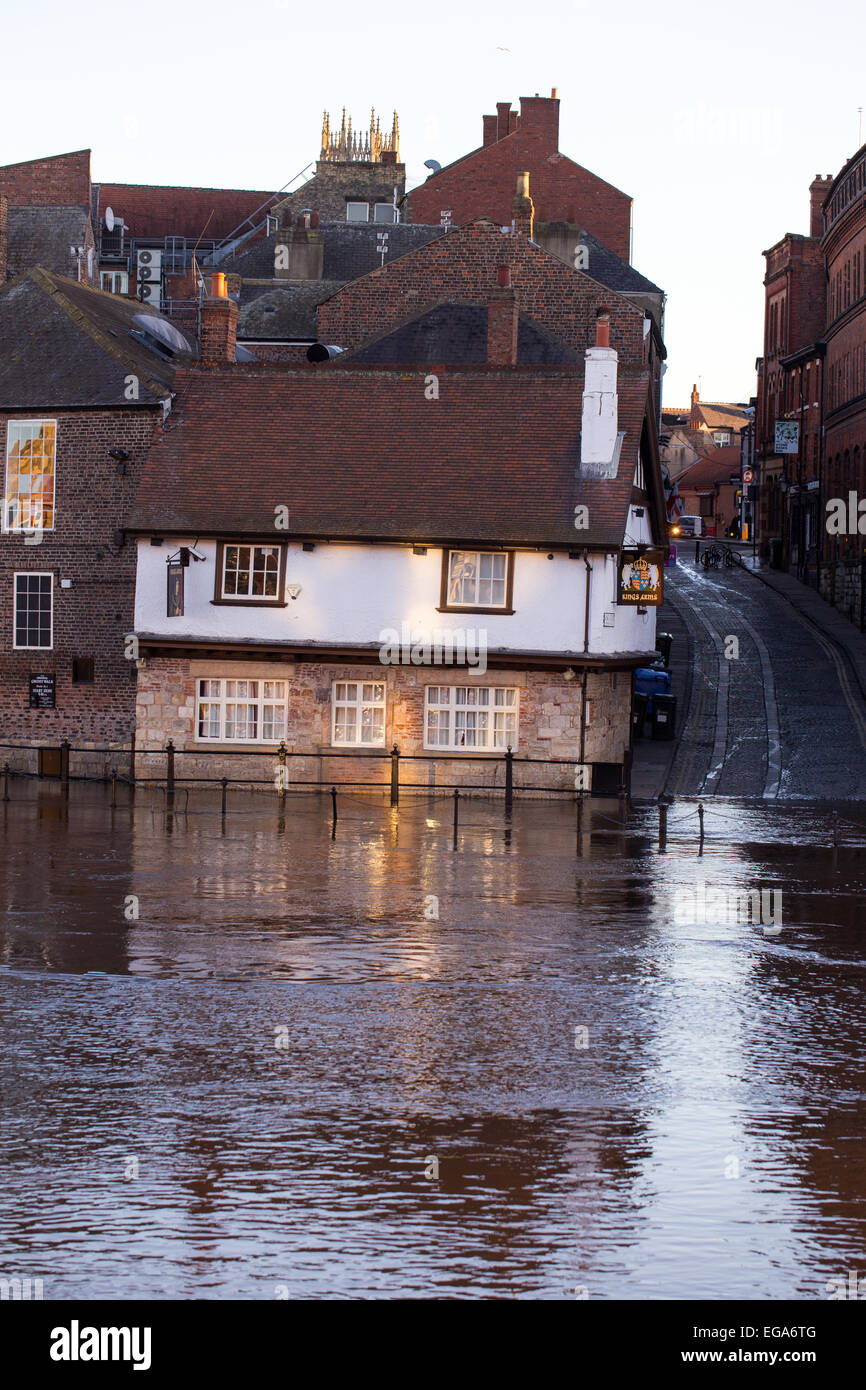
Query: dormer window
{"points": [[357, 212]]}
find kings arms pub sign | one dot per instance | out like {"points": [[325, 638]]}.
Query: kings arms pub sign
{"points": [[640, 577]]}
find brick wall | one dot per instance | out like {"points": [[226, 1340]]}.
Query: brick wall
{"points": [[62, 179], [91, 618], [482, 183], [549, 723], [463, 265]]}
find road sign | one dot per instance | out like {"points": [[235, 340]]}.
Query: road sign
{"points": [[748, 475]]}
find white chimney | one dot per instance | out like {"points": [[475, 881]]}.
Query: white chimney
{"points": [[600, 440]]}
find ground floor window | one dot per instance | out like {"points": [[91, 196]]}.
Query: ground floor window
{"points": [[358, 712], [33, 621], [241, 711], [462, 717]]}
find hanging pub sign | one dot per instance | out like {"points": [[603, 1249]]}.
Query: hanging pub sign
{"points": [[42, 691], [174, 605], [640, 577], [787, 437]]}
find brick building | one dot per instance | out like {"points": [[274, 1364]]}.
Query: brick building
{"points": [[85, 378], [791, 388], [481, 183], [333, 503]]}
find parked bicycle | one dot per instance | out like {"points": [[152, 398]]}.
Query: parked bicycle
{"points": [[711, 558], [732, 558]]}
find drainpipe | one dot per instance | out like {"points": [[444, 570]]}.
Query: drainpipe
{"points": [[586, 649]]}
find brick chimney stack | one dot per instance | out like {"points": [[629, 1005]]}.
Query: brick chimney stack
{"points": [[524, 212], [502, 318], [818, 190], [219, 324], [4, 236]]}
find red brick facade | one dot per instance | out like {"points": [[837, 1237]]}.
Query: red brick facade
{"points": [[482, 183], [61, 180], [90, 619], [464, 265]]}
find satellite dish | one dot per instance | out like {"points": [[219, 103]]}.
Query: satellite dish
{"points": [[432, 164], [109, 220]]}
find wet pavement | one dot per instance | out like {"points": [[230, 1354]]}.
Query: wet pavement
{"points": [[774, 707], [247, 1059]]}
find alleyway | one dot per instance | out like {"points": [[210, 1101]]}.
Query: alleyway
{"points": [[778, 714]]}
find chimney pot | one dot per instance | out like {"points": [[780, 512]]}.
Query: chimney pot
{"points": [[218, 285], [602, 328]]}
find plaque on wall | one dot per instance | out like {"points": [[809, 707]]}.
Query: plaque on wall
{"points": [[43, 690]]}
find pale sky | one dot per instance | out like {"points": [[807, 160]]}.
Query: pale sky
{"points": [[715, 120]]}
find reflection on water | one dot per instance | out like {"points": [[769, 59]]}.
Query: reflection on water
{"points": [[231, 1051]]}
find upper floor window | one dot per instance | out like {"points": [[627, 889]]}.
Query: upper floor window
{"points": [[249, 573], [462, 717], [34, 615], [114, 281], [383, 212], [479, 579], [722, 437], [240, 711], [30, 465], [357, 212]]}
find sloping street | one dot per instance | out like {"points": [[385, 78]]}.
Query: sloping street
{"points": [[772, 707]]}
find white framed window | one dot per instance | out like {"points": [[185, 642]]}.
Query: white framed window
{"points": [[358, 713], [462, 717], [250, 572], [357, 212], [33, 622], [383, 212], [114, 281], [31, 447], [240, 711], [477, 579], [722, 437]]}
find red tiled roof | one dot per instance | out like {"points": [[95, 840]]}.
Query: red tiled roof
{"points": [[716, 467], [361, 453]]}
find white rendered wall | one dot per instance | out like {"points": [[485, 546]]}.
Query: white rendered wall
{"points": [[350, 594]]}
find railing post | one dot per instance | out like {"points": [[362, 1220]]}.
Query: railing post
{"points": [[456, 813], [663, 826], [334, 807], [113, 787], [509, 776], [282, 757], [64, 765], [701, 823], [5, 781], [395, 775], [224, 785], [169, 770]]}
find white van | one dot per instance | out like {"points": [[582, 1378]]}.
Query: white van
{"points": [[688, 526]]}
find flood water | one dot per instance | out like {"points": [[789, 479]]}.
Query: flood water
{"points": [[246, 1091]]}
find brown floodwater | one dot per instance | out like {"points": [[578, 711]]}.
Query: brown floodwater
{"points": [[248, 1059]]}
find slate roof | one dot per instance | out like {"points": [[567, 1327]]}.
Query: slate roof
{"points": [[457, 334], [282, 309], [349, 249], [43, 236], [607, 268], [66, 345], [359, 453]]}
